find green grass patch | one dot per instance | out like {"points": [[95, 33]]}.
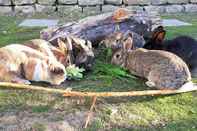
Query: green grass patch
{"points": [[40, 108]]}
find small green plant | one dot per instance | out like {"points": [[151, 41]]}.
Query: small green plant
{"points": [[74, 72], [40, 109]]}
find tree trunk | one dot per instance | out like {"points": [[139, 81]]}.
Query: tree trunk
{"points": [[96, 28]]}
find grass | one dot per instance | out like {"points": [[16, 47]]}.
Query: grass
{"points": [[169, 113]]}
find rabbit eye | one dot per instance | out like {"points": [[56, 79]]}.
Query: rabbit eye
{"points": [[118, 56], [57, 71], [68, 61]]}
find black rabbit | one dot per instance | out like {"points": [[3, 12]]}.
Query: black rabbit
{"points": [[183, 46]]}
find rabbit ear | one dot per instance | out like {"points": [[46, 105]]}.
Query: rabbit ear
{"points": [[159, 34], [128, 44], [62, 45]]}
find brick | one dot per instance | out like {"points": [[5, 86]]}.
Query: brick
{"points": [[90, 2], [23, 2], [137, 2], [4, 10], [159, 2], [113, 2], [45, 8], [91, 10], [193, 1], [178, 1], [174, 8], [67, 2], [5, 2], [190, 8], [109, 8], [158, 9], [26, 10], [46, 2]]}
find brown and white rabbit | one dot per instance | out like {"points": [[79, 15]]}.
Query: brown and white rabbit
{"points": [[162, 69], [22, 64], [61, 52]]}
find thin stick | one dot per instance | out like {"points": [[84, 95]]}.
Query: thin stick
{"points": [[97, 94], [90, 111]]}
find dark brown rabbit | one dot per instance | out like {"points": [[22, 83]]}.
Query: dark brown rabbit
{"points": [[183, 46], [162, 69]]}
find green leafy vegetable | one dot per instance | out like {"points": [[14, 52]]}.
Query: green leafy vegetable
{"points": [[74, 72]]}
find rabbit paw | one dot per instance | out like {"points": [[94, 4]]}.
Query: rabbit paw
{"points": [[150, 84], [21, 81]]}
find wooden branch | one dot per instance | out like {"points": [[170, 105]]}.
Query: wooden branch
{"points": [[90, 112], [97, 94]]}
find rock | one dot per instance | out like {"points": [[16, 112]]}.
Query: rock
{"points": [[190, 8], [90, 2], [174, 22], [5, 2], [109, 8], [193, 1], [113, 2], [91, 10], [70, 11], [159, 2], [134, 8], [8, 120], [22, 2], [137, 2], [26, 10], [67, 2], [45, 9], [174, 8], [178, 1], [5, 10], [39, 23], [59, 126], [47, 2], [158, 9]]}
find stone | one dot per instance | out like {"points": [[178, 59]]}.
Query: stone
{"points": [[178, 1], [67, 2], [5, 10], [45, 9], [38, 23], [71, 12], [174, 8], [190, 8], [91, 10], [137, 2], [193, 1], [23, 2], [134, 8], [174, 22], [113, 2], [5, 2], [109, 8], [158, 9], [46, 2], [59, 126], [159, 2], [90, 2], [26, 10]]}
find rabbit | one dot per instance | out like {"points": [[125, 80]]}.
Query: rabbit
{"points": [[22, 64], [162, 69], [61, 52], [82, 52], [114, 40], [183, 46]]}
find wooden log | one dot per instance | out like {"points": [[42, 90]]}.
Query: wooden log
{"points": [[96, 94], [96, 28]]}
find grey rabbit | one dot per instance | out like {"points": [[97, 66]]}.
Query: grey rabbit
{"points": [[162, 69]]}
